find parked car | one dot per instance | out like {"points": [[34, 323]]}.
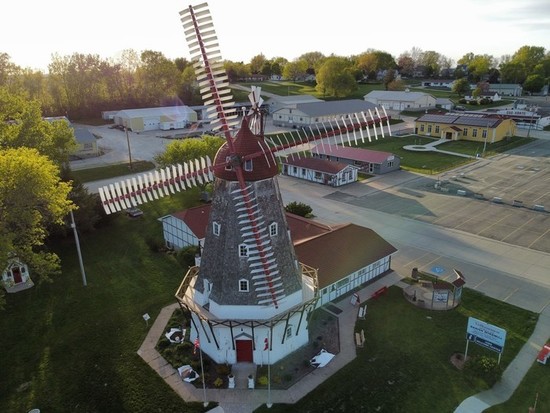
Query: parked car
{"points": [[134, 212]]}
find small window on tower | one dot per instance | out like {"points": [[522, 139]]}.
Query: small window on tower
{"points": [[216, 228], [273, 229], [228, 166], [243, 286], [248, 165], [243, 250]]}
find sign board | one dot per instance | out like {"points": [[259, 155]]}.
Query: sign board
{"points": [[146, 317], [441, 296], [486, 335]]}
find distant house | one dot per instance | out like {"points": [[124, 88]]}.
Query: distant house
{"points": [[87, 143], [477, 127], [373, 162], [438, 83], [493, 96], [506, 89], [147, 119], [319, 170], [444, 103], [400, 100], [278, 102], [15, 276], [363, 256], [306, 114]]}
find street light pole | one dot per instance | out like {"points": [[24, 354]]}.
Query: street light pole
{"points": [[73, 226]]}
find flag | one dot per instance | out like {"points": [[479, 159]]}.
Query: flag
{"points": [[266, 344], [197, 345]]}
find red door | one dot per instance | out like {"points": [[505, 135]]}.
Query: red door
{"points": [[16, 272], [244, 351]]}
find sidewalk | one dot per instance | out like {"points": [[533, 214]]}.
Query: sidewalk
{"points": [[245, 400]]}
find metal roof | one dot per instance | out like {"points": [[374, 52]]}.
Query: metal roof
{"points": [[169, 111], [317, 164], [336, 107], [355, 154], [396, 95]]}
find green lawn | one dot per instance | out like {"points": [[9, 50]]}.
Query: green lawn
{"points": [[405, 364], [70, 348], [111, 171]]}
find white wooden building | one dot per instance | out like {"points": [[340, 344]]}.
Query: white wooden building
{"points": [[401, 100], [321, 171]]}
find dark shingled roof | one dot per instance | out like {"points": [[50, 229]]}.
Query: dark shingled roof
{"points": [[342, 251]]}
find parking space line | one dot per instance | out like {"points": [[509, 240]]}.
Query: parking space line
{"points": [[479, 283], [494, 223], [416, 259], [517, 229], [531, 244], [509, 295]]}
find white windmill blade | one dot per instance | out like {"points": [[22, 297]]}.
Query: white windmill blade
{"points": [[354, 129], [125, 194], [181, 176], [380, 121], [360, 128], [387, 120], [136, 190], [197, 169], [368, 127], [104, 201]]}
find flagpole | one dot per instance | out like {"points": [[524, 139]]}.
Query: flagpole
{"points": [[268, 404], [197, 344]]}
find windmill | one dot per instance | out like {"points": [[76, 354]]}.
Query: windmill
{"points": [[249, 286]]}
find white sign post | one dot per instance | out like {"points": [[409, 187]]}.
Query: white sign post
{"points": [[146, 317], [486, 335]]}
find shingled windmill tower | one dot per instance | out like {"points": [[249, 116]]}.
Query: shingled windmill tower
{"points": [[249, 294]]}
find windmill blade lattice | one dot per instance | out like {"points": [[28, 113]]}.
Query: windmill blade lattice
{"points": [[154, 185]]}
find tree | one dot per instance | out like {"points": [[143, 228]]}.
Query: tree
{"points": [[396, 85], [461, 86], [533, 83], [373, 61], [389, 77], [32, 196], [257, 63], [405, 64], [295, 70], [432, 62], [21, 125], [189, 149], [313, 60], [335, 78]]}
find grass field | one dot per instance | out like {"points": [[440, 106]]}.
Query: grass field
{"points": [[405, 364], [111, 171], [69, 348]]}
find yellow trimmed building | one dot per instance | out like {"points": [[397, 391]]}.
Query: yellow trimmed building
{"points": [[470, 127]]}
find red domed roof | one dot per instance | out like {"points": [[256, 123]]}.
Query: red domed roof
{"points": [[246, 143]]}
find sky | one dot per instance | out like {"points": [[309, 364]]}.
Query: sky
{"points": [[31, 31]]}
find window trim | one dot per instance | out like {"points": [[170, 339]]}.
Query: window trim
{"points": [[242, 283]]}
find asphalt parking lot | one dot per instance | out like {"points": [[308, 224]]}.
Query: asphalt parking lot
{"points": [[500, 198]]}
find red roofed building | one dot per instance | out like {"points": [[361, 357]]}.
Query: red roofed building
{"points": [[346, 256], [373, 162], [321, 171]]}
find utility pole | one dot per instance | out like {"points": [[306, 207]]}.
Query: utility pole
{"points": [[129, 151]]}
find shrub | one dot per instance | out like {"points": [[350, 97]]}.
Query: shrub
{"points": [[262, 380], [218, 382], [299, 208], [163, 343], [186, 256], [485, 368], [223, 369]]}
